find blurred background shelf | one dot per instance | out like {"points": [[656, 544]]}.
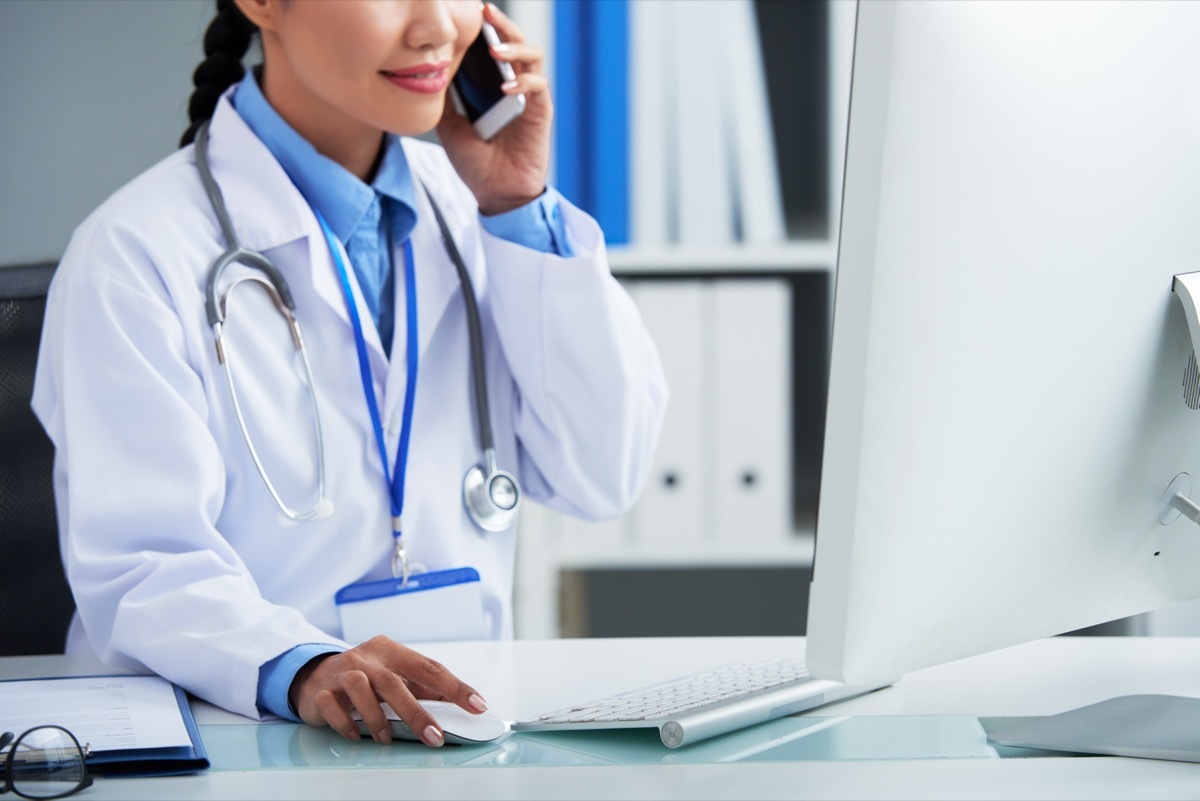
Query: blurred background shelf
{"points": [[735, 122]]}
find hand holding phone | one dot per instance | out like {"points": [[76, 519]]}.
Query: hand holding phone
{"points": [[476, 87], [501, 85]]}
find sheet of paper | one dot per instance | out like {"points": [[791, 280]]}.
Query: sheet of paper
{"points": [[109, 713]]}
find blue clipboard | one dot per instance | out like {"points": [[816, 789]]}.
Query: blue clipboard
{"points": [[146, 761]]}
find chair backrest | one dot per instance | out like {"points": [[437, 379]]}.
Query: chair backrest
{"points": [[35, 601]]}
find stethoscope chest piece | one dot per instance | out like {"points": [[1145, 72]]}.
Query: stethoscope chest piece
{"points": [[491, 495]]}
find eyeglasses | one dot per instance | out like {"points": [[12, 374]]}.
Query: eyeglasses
{"points": [[44, 762]]}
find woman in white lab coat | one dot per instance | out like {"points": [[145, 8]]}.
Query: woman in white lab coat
{"points": [[179, 560]]}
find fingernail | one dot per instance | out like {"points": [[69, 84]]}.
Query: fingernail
{"points": [[384, 735], [477, 702], [501, 49], [354, 734], [508, 86], [433, 736]]}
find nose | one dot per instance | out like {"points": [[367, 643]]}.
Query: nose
{"points": [[431, 25]]}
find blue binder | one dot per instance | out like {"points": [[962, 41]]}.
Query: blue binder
{"points": [[591, 115]]}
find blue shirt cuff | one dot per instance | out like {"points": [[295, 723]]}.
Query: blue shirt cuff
{"points": [[538, 225], [275, 678]]}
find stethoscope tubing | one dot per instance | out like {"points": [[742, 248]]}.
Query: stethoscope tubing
{"points": [[279, 292], [483, 507], [480, 484], [290, 513], [234, 252], [475, 334]]}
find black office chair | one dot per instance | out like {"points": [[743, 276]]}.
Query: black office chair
{"points": [[35, 601]]}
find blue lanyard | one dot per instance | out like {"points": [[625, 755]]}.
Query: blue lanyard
{"points": [[394, 477]]}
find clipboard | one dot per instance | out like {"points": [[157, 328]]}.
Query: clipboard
{"points": [[135, 725]]}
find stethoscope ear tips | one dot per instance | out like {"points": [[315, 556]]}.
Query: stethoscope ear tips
{"points": [[324, 508]]}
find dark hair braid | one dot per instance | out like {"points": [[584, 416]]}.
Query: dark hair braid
{"points": [[225, 44]]}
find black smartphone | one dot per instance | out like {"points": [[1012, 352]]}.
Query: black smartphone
{"points": [[476, 87]]}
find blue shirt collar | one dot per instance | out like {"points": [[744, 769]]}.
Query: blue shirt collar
{"points": [[341, 197]]}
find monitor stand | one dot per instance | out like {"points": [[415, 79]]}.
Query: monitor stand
{"points": [[1145, 726]]}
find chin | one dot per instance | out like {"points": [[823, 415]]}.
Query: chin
{"points": [[416, 121]]}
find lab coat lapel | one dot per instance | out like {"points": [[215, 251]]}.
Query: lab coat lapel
{"points": [[437, 280], [266, 208], [437, 286], [437, 283], [268, 212]]}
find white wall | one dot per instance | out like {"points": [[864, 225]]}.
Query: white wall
{"points": [[91, 93], [1181, 620]]}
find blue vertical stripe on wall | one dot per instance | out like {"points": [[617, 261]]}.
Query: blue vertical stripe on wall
{"points": [[591, 54], [569, 93], [609, 119]]}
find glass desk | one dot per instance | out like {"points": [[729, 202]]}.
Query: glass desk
{"points": [[289, 746], [922, 738]]}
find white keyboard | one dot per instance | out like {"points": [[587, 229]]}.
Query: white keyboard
{"points": [[703, 704]]}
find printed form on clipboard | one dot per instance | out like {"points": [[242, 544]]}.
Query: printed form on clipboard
{"points": [[132, 725]]}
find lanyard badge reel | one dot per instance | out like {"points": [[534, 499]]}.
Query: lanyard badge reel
{"points": [[413, 605]]}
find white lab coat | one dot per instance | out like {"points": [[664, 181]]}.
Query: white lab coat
{"points": [[179, 561]]}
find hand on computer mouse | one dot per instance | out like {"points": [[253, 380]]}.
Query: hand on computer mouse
{"points": [[458, 726], [329, 688]]}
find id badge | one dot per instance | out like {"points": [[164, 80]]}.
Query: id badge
{"points": [[442, 605]]}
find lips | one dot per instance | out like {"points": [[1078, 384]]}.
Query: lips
{"points": [[422, 78]]}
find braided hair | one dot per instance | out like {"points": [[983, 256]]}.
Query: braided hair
{"points": [[225, 44]]}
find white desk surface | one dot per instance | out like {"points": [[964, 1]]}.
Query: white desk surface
{"points": [[522, 678]]}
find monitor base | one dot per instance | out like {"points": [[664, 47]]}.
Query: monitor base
{"points": [[1143, 726]]}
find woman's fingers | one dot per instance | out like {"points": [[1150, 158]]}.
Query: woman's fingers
{"points": [[359, 689], [333, 712], [528, 83], [523, 57], [434, 680], [508, 30], [379, 671]]}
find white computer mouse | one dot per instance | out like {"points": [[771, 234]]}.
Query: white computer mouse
{"points": [[458, 725]]}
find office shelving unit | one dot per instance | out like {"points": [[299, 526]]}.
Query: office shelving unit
{"points": [[565, 566]]}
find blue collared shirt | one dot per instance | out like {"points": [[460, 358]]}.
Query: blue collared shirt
{"points": [[368, 219]]}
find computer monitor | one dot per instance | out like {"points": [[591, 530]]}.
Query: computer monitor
{"points": [[1013, 385]]}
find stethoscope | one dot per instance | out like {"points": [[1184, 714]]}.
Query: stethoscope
{"points": [[490, 495]]}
